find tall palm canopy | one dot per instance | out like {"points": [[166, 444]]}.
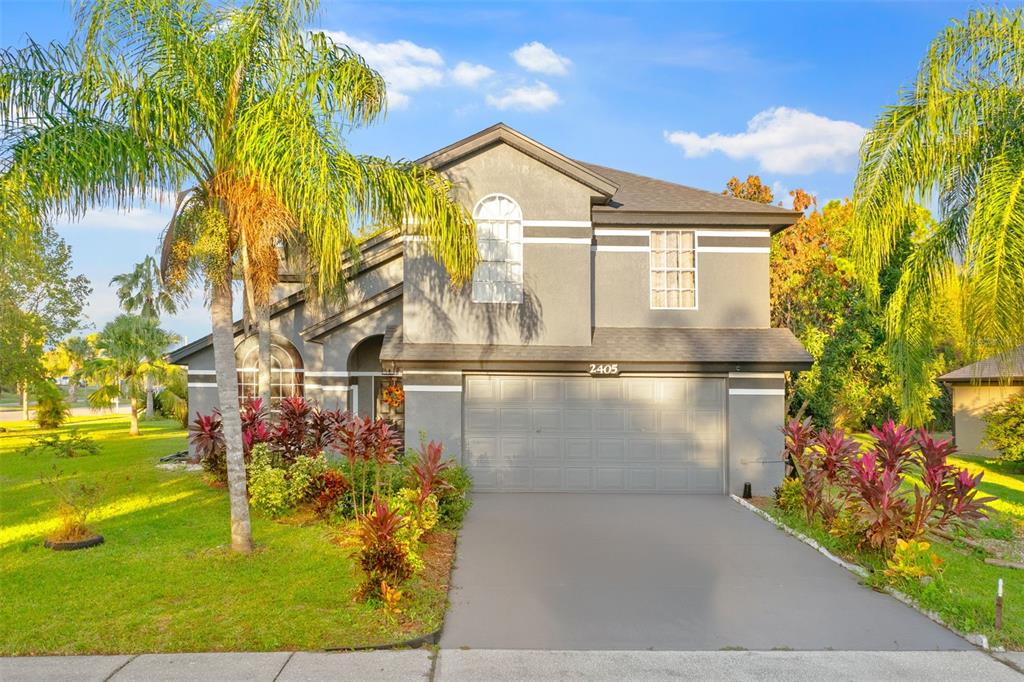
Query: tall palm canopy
{"points": [[954, 140], [238, 112], [142, 290]]}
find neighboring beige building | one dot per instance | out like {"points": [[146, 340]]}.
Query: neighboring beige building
{"points": [[976, 389]]}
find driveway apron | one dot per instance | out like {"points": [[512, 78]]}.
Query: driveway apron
{"points": [[668, 572]]}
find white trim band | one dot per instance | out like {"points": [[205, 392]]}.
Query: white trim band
{"points": [[556, 223], [201, 384], [452, 372], [757, 391], [734, 233], [344, 374], [422, 388], [733, 249], [605, 232], [203, 372], [325, 387], [757, 375], [556, 240], [623, 249]]}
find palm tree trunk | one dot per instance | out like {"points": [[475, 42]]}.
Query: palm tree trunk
{"points": [[263, 332], [149, 397], [227, 397], [133, 429]]}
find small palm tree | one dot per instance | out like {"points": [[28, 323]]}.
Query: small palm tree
{"points": [[142, 290], [955, 139], [131, 349], [239, 111], [79, 351]]}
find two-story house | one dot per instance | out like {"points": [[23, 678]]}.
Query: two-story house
{"points": [[615, 336]]}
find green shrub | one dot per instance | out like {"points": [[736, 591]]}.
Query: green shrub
{"points": [[73, 445], [268, 485], [1004, 429], [51, 405], [419, 518], [790, 495], [453, 499], [303, 477]]}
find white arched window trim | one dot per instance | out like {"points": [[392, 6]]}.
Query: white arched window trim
{"points": [[498, 277]]}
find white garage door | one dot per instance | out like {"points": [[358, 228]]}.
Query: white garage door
{"points": [[567, 433]]}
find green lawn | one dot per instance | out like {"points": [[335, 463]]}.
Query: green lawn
{"points": [[964, 596], [164, 581]]}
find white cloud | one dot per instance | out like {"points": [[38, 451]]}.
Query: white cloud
{"points": [[536, 97], [783, 140], [540, 58], [405, 66], [470, 75], [152, 217]]}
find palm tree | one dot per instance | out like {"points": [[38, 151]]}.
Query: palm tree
{"points": [[130, 348], [142, 290], [956, 140], [239, 112], [79, 351]]}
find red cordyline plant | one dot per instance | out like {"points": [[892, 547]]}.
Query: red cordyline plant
{"points": [[292, 429], [829, 456], [798, 436], [206, 434], [429, 469], [254, 424], [380, 556], [893, 445]]}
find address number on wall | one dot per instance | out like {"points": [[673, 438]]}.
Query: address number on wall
{"points": [[604, 370]]}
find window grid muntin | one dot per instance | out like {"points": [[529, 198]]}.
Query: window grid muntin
{"points": [[678, 247], [498, 277]]}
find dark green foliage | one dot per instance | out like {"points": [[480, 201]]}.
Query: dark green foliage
{"points": [[51, 405], [74, 444], [1004, 429], [453, 498]]}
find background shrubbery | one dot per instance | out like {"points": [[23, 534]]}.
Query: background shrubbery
{"points": [[1004, 429]]}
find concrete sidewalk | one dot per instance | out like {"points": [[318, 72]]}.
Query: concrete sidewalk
{"points": [[455, 665]]}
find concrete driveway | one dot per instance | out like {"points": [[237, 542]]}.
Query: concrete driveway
{"points": [[673, 572]]}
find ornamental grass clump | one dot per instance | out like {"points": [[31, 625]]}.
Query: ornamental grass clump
{"points": [[898, 489]]}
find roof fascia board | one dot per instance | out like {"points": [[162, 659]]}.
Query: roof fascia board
{"points": [[501, 133]]}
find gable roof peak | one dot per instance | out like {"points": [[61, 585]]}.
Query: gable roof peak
{"points": [[502, 133]]}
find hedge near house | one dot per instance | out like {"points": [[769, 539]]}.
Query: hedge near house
{"points": [[1004, 429]]}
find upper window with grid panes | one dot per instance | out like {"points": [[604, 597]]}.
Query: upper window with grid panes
{"points": [[673, 270], [498, 277]]}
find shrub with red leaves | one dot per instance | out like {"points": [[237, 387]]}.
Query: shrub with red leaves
{"points": [[380, 556], [798, 435], [329, 491], [292, 429], [206, 434], [429, 470], [254, 425]]}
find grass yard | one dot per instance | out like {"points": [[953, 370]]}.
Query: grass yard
{"points": [[164, 580], [965, 593]]}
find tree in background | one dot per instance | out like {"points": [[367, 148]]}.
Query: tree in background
{"points": [[240, 112], [142, 291], [129, 357], [40, 301], [751, 190], [954, 139]]}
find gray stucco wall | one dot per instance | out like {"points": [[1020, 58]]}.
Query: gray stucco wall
{"points": [[755, 437], [434, 414], [732, 291], [556, 305]]}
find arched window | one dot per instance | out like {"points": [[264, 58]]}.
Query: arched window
{"points": [[286, 375], [498, 277]]}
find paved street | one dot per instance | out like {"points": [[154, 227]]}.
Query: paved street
{"points": [[502, 665]]}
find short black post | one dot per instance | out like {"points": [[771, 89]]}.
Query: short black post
{"points": [[746, 491]]}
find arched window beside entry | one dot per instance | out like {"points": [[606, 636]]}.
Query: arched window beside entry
{"points": [[286, 370], [498, 277]]}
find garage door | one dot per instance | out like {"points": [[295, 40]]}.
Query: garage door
{"points": [[567, 433]]}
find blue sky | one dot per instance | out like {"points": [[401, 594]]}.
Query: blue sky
{"points": [[688, 92]]}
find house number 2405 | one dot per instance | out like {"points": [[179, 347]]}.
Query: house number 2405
{"points": [[604, 370]]}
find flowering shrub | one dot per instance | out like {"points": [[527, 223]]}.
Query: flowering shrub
{"points": [[874, 491]]}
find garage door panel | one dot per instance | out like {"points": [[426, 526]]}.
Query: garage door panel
{"points": [[515, 419], [613, 419], [656, 434]]}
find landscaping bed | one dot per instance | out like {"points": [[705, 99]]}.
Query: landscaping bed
{"points": [[164, 580], [962, 593]]}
